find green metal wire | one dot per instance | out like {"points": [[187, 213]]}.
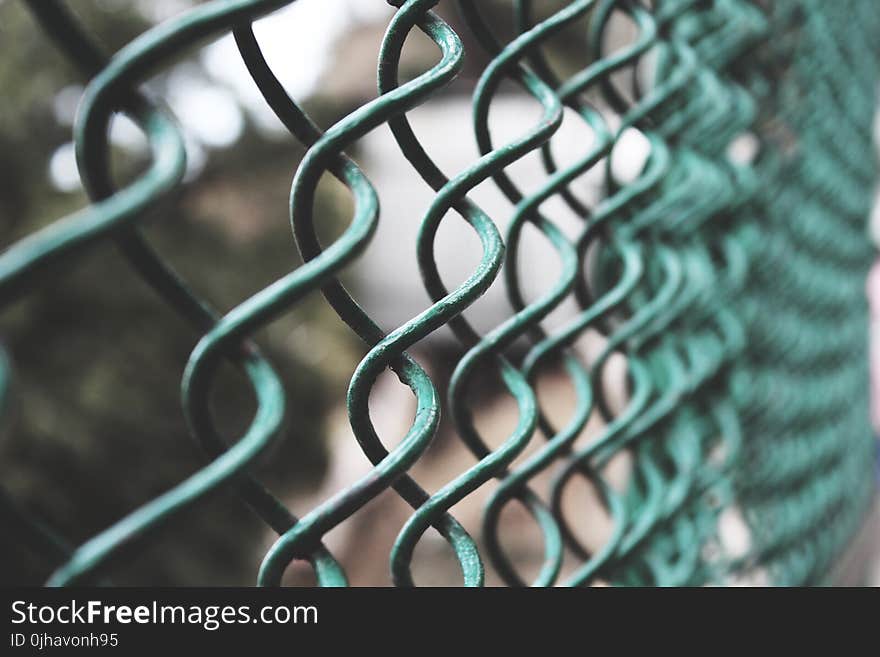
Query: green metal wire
{"points": [[732, 289]]}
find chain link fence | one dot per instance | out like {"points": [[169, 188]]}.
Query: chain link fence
{"points": [[722, 270]]}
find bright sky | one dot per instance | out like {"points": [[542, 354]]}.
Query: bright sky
{"points": [[297, 42]]}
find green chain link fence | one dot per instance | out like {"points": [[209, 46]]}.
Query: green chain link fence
{"points": [[733, 286]]}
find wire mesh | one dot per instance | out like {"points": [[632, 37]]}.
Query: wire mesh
{"points": [[731, 284]]}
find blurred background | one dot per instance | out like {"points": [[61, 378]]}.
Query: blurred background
{"points": [[95, 427]]}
